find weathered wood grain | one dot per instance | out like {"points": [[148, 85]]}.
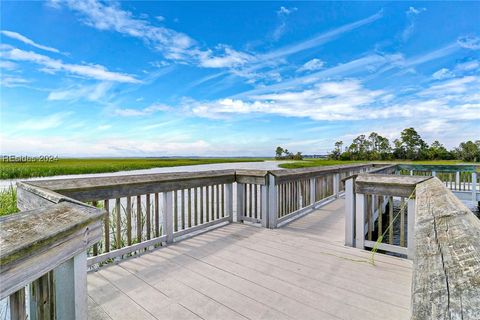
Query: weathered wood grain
{"points": [[446, 276], [380, 184], [34, 242]]}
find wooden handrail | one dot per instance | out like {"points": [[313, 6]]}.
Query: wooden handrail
{"points": [[446, 274]]}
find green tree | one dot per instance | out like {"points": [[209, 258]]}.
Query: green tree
{"points": [[414, 146], [438, 152], [335, 154], [278, 152], [469, 151]]}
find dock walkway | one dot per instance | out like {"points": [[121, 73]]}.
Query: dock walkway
{"points": [[300, 271]]}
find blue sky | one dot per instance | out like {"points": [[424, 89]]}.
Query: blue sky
{"points": [[91, 78]]}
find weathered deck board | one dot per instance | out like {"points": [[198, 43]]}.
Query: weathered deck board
{"points": [[301, 271]]}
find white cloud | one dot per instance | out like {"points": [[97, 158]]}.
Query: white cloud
{"points": [[230, 58], [325, 101], [442, 74], [286, 11], [22, 38], [312, 65], [74, 93], [160, 18], [12, 81], [411, 13], [468, 66], [129, 112], [469, 42], [43, 123], [8, 65], [49, 65]]}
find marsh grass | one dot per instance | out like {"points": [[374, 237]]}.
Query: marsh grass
{"points": [[8, 201], [18, 170]]}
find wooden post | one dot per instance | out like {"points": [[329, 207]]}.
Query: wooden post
{"points": [[229, 201], [17, 305], [336, 184], [349, 213], [474, 186], [168, 215], [272, 202], [457, 180], [70, 281], [434, 174], [312, 190], [240, 202], [411, 229], [264, 205], [360, 208]]}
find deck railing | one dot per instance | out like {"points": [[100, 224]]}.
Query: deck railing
{"points": [[429, 225], [43, 260], [146, 211]]}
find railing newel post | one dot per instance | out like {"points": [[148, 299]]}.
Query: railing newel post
{"points": [[240, 202], [70, 287], [264, 205], [360, 208], [168, 216], [229, 201], [349, 213], [272, 202]]}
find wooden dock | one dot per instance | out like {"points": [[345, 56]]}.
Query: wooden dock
{"points": [[299, 271]]}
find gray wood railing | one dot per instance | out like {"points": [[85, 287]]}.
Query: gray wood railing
{"points": [[446, 273], [436, 230], [43, 257]]}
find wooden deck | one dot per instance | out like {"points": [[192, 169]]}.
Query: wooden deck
{"points": [[301, 271]]}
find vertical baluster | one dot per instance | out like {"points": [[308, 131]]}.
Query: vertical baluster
{"points": [[390, 219], [157, 216], [369, 217], [95, 246], [175, 211], [207, 203], [129, 221], [217, 189], [182, 217], [17, 305], [380, 215], [189, 218], [195, 206], [148, 217], [139, 219], [202, 211], [222, 200], [106, 225], [255, 200], [402, 222], [118, 227]]}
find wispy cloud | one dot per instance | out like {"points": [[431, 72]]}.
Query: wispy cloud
{"points": [[75, 93], [12, 81], [43, 123], [281, 27], [22, 38], [411, 14], [469, 42], [130, 112], [49, 65], [312, 65]]}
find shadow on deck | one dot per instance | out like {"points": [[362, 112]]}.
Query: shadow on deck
{"points": [[301, 271]]}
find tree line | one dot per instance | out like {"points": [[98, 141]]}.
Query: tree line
{"points": [[410, 146], [284, 154]]}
